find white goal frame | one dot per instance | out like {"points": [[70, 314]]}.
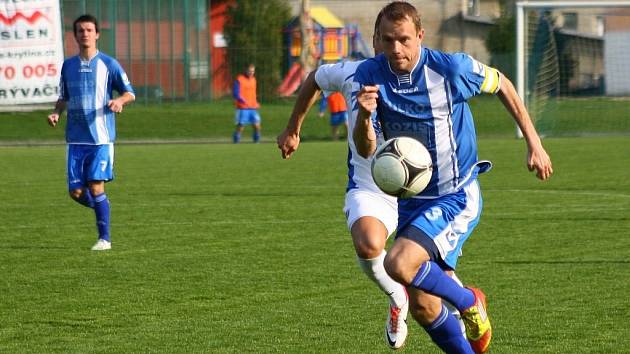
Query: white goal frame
{"points": [[521, 7]]}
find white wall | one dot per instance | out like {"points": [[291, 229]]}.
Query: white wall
{"points": [[617, 66]]}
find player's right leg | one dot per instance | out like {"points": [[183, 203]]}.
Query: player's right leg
{"points": [[334, 132], [238, 120], [77, 185], [236, 136], [371, 218]]}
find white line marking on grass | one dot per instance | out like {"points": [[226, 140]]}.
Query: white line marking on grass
{"points": [[563, 211], [175, 223], [559, 191]]}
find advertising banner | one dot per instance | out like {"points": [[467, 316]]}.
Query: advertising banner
{"points": [[31, 51]]}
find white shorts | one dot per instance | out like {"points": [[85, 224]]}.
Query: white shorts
{"points": [[360, 203]]}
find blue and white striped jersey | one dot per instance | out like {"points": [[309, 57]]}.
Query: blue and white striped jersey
{"points": [[87, 87], [339, 77], [429, 104]]}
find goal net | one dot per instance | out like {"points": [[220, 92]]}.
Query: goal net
{"points": [[573, 66]]}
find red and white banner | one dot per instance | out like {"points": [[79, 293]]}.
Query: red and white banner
{"points": [[31, 51]]}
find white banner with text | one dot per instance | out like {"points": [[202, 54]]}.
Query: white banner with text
{"points": [[31, 51]]}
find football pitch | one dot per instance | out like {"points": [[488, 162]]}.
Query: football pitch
{"points": [[221, 248]]}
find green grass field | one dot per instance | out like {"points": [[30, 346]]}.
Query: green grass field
{"points": [[227, 249]]}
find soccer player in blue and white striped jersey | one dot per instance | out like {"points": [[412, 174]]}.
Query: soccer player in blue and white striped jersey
{"points": [[371, 215], [87, 84], [422, 93]]}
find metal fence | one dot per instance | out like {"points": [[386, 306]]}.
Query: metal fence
{"points": [[162, 44]]}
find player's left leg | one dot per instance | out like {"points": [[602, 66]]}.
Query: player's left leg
{"points": [[429, 242], [99, 169], [102, 213], [255, 121], [256, 134]]}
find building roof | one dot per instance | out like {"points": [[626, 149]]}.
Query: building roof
{"points": [[325, 18]]}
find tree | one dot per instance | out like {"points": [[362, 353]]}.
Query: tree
{"points": [[253, 31], [501, 43]]}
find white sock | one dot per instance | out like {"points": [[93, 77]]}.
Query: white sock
{"points": [[375, 270]]}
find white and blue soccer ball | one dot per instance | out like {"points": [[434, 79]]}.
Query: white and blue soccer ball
{"points": [[402, 167]]}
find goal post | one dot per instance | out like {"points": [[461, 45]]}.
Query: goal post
{"points": [[570, 62]]}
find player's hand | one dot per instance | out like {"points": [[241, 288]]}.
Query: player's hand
{"points": [[321, 114], [115, 106], [288, 142], [366, 99], [538, 159], [53, 118]]}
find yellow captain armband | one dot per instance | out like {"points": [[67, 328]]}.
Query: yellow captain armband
{"points": [[492, 80]]}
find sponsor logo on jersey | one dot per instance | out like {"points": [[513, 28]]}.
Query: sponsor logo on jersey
{"points": [[406, 90], [405, 126]]}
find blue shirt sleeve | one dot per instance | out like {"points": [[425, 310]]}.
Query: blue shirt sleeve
{"points": [[121, 82], [467, 75], [236, 92]]}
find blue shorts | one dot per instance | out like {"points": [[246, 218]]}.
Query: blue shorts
{"points": [[89, 163], [247, 116], [338, 118], [447, 221]]}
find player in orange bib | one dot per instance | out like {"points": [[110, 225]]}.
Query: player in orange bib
{"points": [[244, 93], [338, 112]]}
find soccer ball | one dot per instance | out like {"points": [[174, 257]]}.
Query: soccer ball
{"points": [[402, 167]]}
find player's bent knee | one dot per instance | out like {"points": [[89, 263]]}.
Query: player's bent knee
{"points": [[395, 268], [369, 236], [366, 247]]}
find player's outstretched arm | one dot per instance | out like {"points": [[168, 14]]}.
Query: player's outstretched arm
{"points": [[289, 140], [537, 157], [53, 118], [363, 133]]}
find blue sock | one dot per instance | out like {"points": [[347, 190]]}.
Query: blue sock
{"points": [[256, 136], [447, 334], [101, 209], [86, 199], [432, 279], [236, 137]]}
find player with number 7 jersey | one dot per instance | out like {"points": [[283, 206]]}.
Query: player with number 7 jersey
{"points": [[88, 82]]}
